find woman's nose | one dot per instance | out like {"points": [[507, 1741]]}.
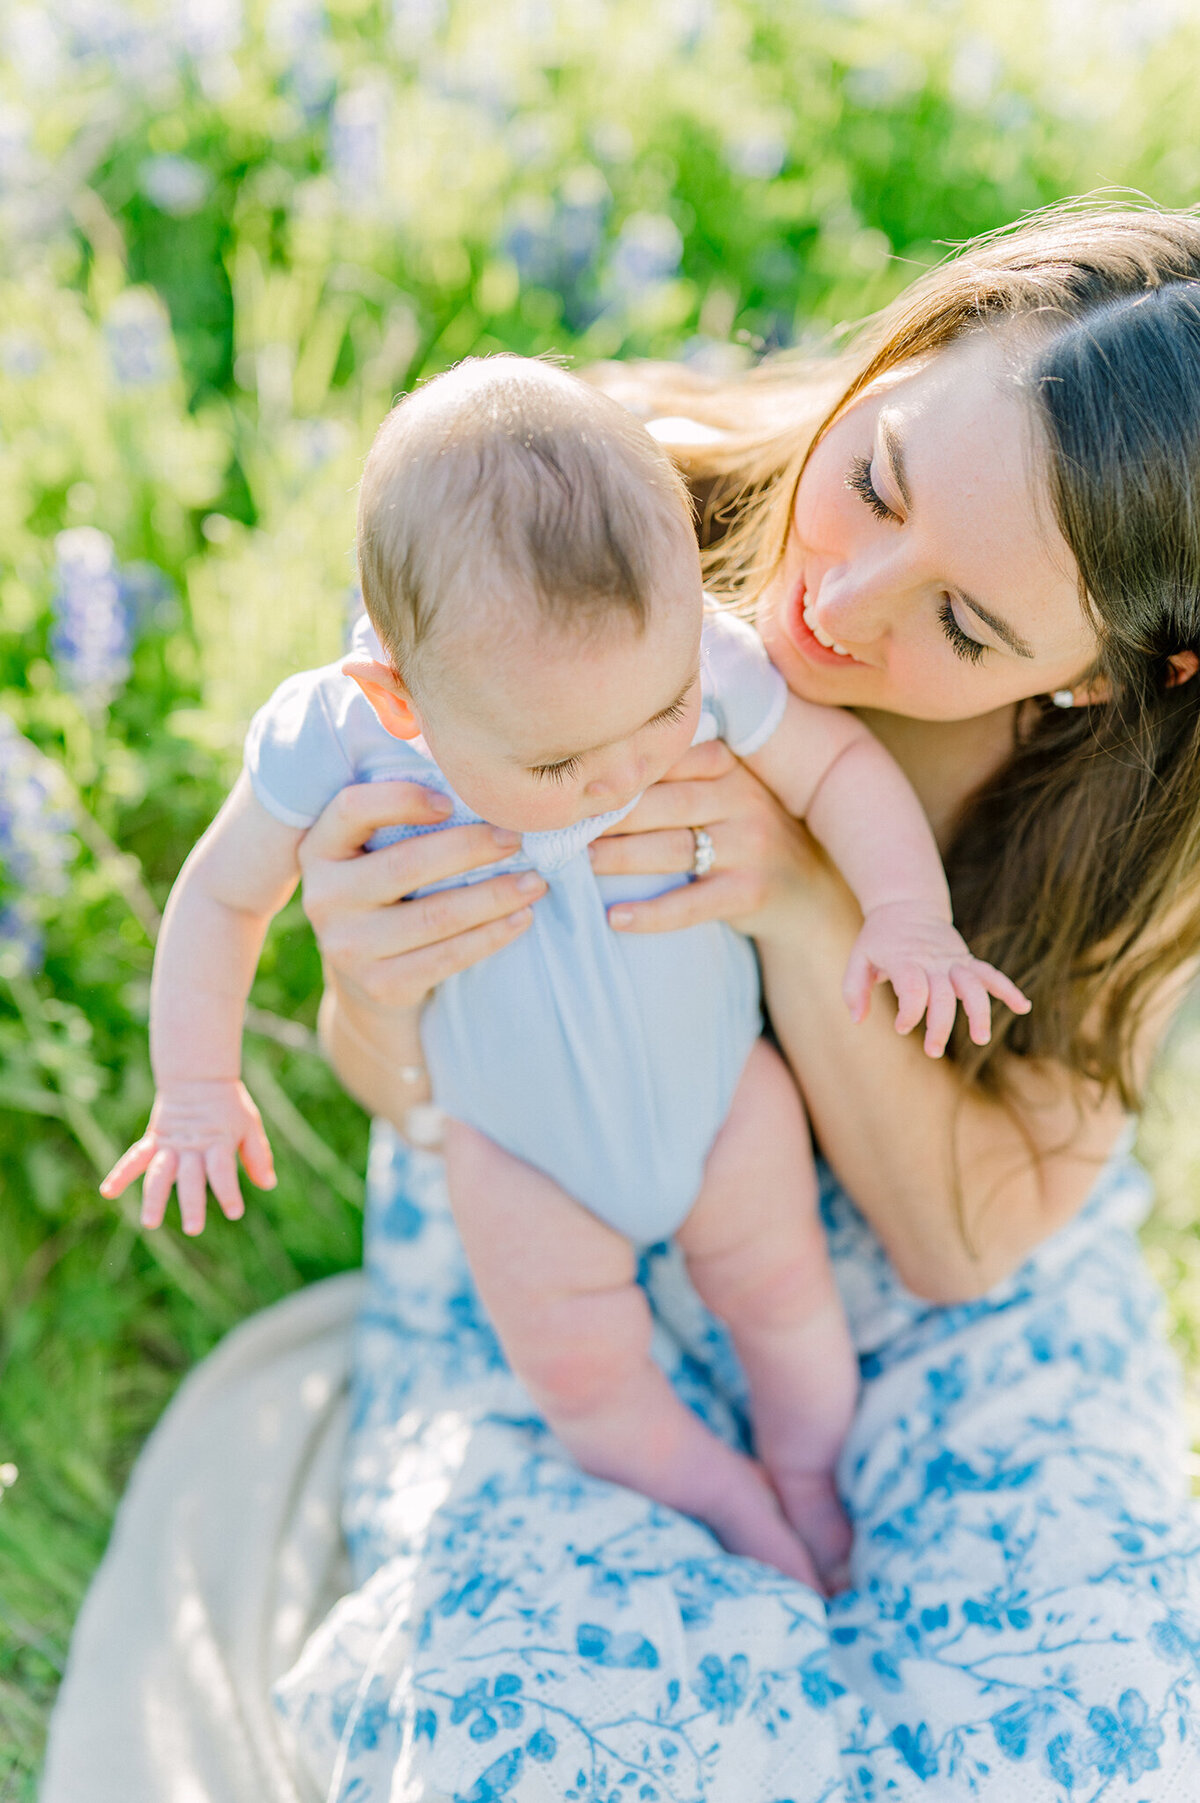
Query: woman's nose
{"points": [[852, 602]]}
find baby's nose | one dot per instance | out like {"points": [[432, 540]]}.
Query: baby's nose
{"points": [[619, 781]]}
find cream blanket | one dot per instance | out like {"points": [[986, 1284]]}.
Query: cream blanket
{"points": [[225, 1554]]}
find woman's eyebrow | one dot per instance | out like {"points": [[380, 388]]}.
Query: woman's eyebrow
{"points": [[895, 456]]}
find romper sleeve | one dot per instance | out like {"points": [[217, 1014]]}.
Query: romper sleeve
{"points": [[742, 688], [295, 754]]}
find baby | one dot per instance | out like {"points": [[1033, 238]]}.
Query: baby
{"points": [[540, 650]]}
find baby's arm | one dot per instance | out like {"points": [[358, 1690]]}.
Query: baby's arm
{"points": [[828, 769], [237, 878]]}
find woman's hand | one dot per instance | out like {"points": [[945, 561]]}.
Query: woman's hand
{"points": [[761, 856], [383, 948]]}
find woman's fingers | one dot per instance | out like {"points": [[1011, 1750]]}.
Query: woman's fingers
{"points": [[394, 871], [131, 1164], [681, 804], [360, 810], [387, 933], [640, 854], [191, 1186], [394, 981], [220, 1166], [157, 1185], [723, 896]]}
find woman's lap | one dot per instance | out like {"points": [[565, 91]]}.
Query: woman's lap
{"points": [[1023, 1622]]}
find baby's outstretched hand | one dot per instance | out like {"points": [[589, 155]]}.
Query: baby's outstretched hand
{"points": [[930, 967], [191, 1144]]}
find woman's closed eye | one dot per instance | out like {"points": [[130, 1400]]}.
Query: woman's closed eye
{"points": [[858, 480], [964, 646]]}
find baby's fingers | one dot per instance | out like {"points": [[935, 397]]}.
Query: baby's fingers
{"points": [[157, 1186], [131, 1164], [1002, 987], [192, 1185], [256, 1155], [860, 978], [971, 991], [220, 1164], [912, 995], [939, 1016]]}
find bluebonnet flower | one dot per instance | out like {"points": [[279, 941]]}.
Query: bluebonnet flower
{"points": [[138, 335], [758, 152], [176, 185], [113, 36], [92, 637], [21, 356], [297, 31], [148, 596], [357, 144], [36, 849], [646, 254]]}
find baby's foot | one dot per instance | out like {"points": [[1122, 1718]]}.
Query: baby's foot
{"points": [[748, 1520], [811, 1504]]}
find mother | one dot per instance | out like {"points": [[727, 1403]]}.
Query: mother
{"points": [[980, 529]]}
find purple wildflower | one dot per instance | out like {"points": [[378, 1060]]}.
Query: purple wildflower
{"points": [[138, 335], [92, 636], [35, 849]]}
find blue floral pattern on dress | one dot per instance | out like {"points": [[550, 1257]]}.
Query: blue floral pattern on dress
{"points": [[1024, 1621]]}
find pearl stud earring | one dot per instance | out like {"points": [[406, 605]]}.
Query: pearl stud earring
{"points": [[1063, 698]]}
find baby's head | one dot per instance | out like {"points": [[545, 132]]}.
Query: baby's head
{"points": [[529, 564]]}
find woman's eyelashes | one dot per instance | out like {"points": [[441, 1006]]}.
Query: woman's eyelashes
{"points": [[858, 480], [964, 645]]}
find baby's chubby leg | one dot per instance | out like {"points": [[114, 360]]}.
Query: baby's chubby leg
{"points": [[559, 1287], [756, 1253]]}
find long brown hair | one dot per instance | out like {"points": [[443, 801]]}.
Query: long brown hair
{"points": [[1072, 868]]}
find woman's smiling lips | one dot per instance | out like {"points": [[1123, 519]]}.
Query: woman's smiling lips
{"points": [[802, 629]]}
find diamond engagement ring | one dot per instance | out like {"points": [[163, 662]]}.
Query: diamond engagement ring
{"points": [[704, 856]]}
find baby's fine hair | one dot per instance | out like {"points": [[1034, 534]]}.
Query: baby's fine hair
{"points": [[507, 477]]}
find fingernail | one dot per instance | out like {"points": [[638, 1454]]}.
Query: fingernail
{"points": [[620, 917], [501, 836], [531, 883], [439, 803], [521, 917]]}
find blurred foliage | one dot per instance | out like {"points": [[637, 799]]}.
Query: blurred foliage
{"points": [[232, 233]]}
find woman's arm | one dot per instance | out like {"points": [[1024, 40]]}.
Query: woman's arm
{"points": [[384, 954], [921, 1156]]}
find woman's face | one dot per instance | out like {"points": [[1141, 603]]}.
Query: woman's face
{"points": [[923, 547]]}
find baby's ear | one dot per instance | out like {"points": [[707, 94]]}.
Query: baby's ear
{"points": [[387, 694]]}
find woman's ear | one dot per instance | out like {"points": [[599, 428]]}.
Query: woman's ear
{"points": [[387, 694], [1182, 667]]}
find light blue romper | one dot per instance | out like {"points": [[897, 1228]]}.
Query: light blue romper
{"points": [[607, 1060]]}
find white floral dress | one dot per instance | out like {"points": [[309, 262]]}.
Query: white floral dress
{"points": [[1025, 1618]]}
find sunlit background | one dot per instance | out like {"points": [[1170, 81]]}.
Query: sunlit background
{"points": [[230, 234]]}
